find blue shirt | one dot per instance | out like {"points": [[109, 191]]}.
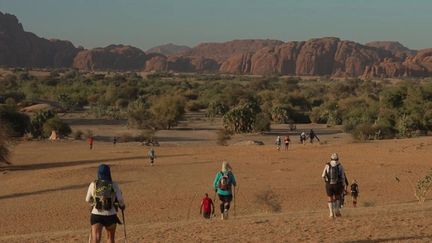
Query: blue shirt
{"points": [[231, 179]]}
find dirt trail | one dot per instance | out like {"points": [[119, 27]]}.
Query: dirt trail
{"points": [[42, 193]]}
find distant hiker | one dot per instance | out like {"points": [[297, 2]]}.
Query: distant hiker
{"points": [[114, 141], [102, 195], [207, 207], [312, 136], [345, 191], [90, 141], [287, 140], [334, 177], [223, 185], [152, 155], [303, 138], [354, 192], [278, 143]]}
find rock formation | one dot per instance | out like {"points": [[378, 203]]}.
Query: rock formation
{"points": [[24, 49], [168, 49]]}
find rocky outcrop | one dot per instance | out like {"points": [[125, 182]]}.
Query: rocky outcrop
{"points": [[19, 48], [112, 57], [220, 52], [168, 49], [321, 56], [397, 49]]}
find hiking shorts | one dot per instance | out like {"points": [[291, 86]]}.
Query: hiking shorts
{"points": [[206, 215], [354, 194], [103, 220], [334, 189], [227, 198]]}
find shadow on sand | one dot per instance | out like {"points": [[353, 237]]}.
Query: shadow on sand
{"points": [[397, 239], [41, 166], [63, 188]]}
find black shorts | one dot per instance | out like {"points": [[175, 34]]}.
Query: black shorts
{"points": [[354, 194], [334, 189], [103, 220], [225, 198], [206, 215]]}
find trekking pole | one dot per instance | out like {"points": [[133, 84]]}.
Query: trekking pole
{"points": [[124, 225], [235, 204], [214, 201]]}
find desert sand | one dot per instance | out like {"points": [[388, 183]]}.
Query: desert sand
{"points": [[280, 195]]}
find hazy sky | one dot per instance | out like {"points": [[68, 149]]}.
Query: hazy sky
{"points": [[147, 23]]}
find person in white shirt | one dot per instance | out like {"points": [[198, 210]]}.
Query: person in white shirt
{"points": [[104, 194], [334, 178]]}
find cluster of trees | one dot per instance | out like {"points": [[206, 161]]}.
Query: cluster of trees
{"points": [[40, 125], [367, 109]]}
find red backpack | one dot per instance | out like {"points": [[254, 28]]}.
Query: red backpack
{"points": [[207, 205]]}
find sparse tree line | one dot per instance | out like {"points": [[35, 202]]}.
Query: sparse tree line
{"points": [[366, 109]]}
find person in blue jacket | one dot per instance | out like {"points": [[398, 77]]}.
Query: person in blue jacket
{"points": [[223, 184]]}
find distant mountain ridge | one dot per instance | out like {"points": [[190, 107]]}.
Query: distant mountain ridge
{"points": [[168, 49], [315, 57]]}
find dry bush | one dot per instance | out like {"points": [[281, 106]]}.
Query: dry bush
{"points": [[78, 134], [222, 137], [270, 200], [4, 145], [423, 187]]}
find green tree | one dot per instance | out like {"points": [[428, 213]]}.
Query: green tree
{"points": [[167, 111], [56, 124]]}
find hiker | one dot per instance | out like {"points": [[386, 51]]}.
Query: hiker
{"points": [[114, 141], [102, 194], [152, 155], [90, 141], [334, 177], [287, 140], [354, 192], [303, 138], [207, 207], [278, 143], [312, 136], [223, 185]]}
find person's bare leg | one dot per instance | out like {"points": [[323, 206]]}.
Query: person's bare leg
{"points": [[111, 233], [330, 206], [96, 233]]}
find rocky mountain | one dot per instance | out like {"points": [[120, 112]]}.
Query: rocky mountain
{"points": [[19, 48], [168, 49], [112, 57], [328, 56]]}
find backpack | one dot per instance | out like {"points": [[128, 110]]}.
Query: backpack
{"points": [[354, 188], [224, 181], [333, 176], [207, 205], [104, 195]]}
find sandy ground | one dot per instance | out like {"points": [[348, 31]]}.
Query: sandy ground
{"points": [[42, 193]]}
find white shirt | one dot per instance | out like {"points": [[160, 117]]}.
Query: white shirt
{"points": [[118, 194], [334, 163]]}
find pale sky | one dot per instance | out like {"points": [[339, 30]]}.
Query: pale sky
{"points": [[147, 23]]}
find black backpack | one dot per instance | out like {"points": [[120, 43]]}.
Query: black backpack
{"points": [[104, 195], [333, 174]]}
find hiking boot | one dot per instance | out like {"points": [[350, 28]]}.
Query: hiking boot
{"points": [[225, 214], [338, 214]]}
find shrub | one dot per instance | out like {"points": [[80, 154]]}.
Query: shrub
{"points": [[78, 135], [37, 122], [18, 123], [222, 137], [167, 111], [270, 200], [4, 144], [423, 187], [262, 122], [55, 124]]}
